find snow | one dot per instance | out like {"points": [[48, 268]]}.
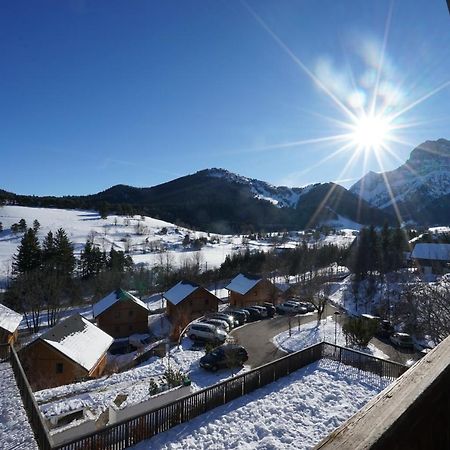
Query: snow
{"points": [[133, 383], [9, 319], [79, 340], [15, 431], [312, 333], [112, 298], [180, 291], [436, 252], [242, 284], [296, 411], [151, 242]]}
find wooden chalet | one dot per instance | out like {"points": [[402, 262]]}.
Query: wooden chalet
{"points": [[9, 325], [73, 350], [245, 290], [121, 314], [431, 258], [187, 301]]}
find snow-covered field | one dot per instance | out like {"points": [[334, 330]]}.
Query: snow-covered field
{"points": [[296, 411], [144, 237], [15, 431], [97, 395], [312, 333]]}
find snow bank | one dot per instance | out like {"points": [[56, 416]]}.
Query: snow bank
{"points": [[312, 333], [15, 431], [296, 411]]}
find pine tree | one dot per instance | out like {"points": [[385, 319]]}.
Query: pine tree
{"points": [[64, 257], [36, 225], [28, 256], [48, 253], [22, 225]]}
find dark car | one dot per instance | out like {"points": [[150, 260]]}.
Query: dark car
{"points": [[225, 356], [271, 310], [385, 329], [254, 314], [224, 316], [239, 316]]}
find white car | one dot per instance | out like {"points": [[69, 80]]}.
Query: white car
{"points": [[217, 322], [206, 332]]}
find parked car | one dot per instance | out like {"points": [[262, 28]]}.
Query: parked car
{"points": [[217, 322], [228, 355], [300, 308], [231, 321], [239, 316], [290, 308], [261, 309], [254, 314], [310, 307], [271, 310], [199, 331], [402, 340], [384, 329]]}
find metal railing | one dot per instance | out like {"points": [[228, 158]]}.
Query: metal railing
{"points": [[144, 426]]}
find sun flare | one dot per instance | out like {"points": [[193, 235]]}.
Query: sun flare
{"points": [[371, 132]]}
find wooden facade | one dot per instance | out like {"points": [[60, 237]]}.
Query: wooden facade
{"points": [[263, 291], [46, 367], [195, 305], [6, 337], [123, 319]]}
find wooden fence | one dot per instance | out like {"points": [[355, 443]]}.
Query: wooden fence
{"points": [[4, 352], [131, 431]]}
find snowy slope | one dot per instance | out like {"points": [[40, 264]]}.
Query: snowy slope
{"points": [[280, 196], [426, 176], [145, 237], [295, 412]]}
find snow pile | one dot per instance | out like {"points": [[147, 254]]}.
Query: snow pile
{"points": [[312, 333], [15, 431], [296, 411]]}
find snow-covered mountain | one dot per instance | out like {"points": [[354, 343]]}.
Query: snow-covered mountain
{"points": [[280, 196], [419, 188]]}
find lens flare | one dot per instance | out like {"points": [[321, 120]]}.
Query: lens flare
{"points": [[370, 132]]}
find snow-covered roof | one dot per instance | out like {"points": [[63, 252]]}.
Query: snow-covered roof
{"points": [[9, 319], [180, 291], [79, 340], [283, 287], [242, 283], [436, 252], [111, 299]]}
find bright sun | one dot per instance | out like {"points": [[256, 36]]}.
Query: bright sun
{"points": [[371, 132]]}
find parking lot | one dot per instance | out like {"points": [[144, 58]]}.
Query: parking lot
{"points": [[256, 337]]}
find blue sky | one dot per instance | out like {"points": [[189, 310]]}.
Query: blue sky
{"points": [[96, 93]]}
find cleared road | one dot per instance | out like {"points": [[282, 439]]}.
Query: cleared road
{"points": [[256, 337]]}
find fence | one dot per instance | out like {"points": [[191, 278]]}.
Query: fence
{"points": [[4, 352], [29, 403], [144, 426]]}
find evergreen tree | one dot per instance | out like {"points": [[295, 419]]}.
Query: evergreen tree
{"points": [[28, 256], [36, 225], [64, 257], [22, 225], [48, 253]]}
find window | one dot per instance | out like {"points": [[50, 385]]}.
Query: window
{"points": [[59, 367]]}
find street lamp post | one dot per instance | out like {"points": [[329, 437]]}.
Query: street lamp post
{"points": [[336, 315]]}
